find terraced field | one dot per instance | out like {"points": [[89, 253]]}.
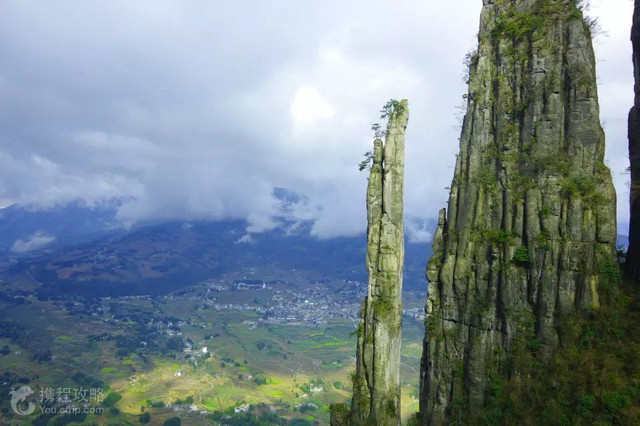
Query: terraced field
{"points": [[169, 356]]}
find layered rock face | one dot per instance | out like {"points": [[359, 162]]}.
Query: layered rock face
{"points": [[531, 221], [633, 254], [376, 386]]}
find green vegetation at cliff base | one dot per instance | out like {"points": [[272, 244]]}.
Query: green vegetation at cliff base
{"points": [[592, 379]]}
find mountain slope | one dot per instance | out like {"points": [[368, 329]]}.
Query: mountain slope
{"points": [[24, 230], [157, 259]]}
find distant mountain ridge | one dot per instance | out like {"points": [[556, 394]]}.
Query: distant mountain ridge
{"points": [[98, 259], [21, 226]]}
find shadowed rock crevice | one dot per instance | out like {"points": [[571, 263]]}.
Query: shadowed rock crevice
{"points": [[531, 221]]}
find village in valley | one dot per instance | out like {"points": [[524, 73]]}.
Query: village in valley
{"points": [[228, 347]]}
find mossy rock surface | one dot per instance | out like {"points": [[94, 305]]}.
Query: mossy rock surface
{"points": [[528, 240]]}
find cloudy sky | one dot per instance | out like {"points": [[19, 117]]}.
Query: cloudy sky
{"points": [[199, 109]]}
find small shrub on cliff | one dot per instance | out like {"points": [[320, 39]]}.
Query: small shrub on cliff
{"points": [[378, 131], [516, 26], [582, 187], [521, 256], [366, 163], [498, 236], [390, 107]]}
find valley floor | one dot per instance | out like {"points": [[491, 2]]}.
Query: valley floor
{"points": [[205, 354]]}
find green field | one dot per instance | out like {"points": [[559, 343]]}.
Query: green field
{"points": [[292, 371]]}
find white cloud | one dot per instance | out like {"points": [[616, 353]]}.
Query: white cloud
{"points": [[200, 111], [37, 240], [418, 231], [309, 107], [260, 222], [245, 239]]}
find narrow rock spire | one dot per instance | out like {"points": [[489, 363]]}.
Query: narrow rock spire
{"points": [[530, 227], [633, 254], [376, 384]]}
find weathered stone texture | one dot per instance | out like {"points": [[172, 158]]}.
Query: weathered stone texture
{"points": [[531, 214], [633, 254], [376, 387]]}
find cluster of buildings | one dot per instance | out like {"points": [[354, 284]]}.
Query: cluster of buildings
{"points": [[306, 305]]}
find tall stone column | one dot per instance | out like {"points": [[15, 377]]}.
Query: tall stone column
{"points": [[376, 385], [530, 228]]}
